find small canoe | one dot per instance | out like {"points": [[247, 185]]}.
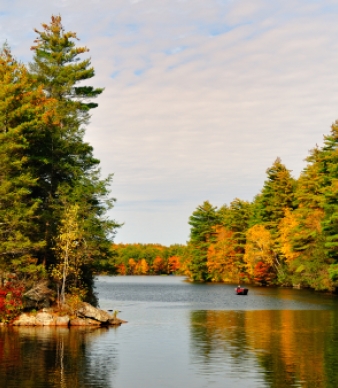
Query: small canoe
{"points": [[241, 291]]}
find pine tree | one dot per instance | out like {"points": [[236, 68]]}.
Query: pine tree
{"points": [[57, 66], [67, 170], [307, 235], [276, 196], [203, 223]]}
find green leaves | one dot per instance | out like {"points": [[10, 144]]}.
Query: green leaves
{"points": [[20, 113], [203, 232]]}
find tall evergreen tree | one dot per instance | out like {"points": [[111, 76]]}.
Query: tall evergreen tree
{"points": [[67, 170], [203, 223], [276, 196], [309, 212]]}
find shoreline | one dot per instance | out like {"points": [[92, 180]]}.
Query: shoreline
{"points": [[83, 315]]}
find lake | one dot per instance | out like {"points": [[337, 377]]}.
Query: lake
{"points": [[183, 335]]}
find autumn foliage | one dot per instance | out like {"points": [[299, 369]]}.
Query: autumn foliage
{"points": [[146, 259], [10, 301], [288, 234]]}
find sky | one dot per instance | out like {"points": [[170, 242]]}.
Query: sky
{"points": [[201, 96]]}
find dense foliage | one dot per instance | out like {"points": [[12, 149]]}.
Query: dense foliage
{"points": [[288, 235], [53, 203]]}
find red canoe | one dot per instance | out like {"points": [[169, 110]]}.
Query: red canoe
{"points": [[241, 291]]}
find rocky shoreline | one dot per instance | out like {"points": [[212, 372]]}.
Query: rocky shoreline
{"points": [[84, 315]]}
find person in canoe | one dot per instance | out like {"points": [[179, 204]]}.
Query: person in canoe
{"points": [[241, 291]]}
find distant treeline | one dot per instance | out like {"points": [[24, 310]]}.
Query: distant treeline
{"points": [[288, 235], [144, 259]]}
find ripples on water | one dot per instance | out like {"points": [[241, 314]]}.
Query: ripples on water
{"points": [[183, 335]]}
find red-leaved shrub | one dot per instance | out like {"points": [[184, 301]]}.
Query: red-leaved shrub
{"points": [[10, 301]]}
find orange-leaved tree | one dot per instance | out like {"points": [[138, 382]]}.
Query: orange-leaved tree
{"points": [[158, 265]]}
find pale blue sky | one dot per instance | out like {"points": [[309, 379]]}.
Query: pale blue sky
{"points": [[201, 96]]}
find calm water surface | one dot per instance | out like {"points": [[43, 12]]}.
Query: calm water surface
{"points": [[183, 335]]}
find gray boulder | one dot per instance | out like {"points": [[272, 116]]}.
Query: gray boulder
{"points": [[85, 310]]}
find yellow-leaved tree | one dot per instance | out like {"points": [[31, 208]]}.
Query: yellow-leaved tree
{"points": [[142, 267], [260, 258], [68, 251], [222, 256], [287, 228]]}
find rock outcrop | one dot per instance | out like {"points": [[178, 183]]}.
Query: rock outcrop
{"points": [[114, 321], [84, 322], [86, 310], [84, 315]]}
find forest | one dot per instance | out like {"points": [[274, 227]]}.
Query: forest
{"points": [[53, 201], [288, 234]]}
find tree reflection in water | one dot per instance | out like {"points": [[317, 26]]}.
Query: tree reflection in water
{"points": [[55, 358], [287, 348]]}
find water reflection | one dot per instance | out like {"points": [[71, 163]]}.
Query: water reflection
{"points": [[288, 348], [55, 357]]}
